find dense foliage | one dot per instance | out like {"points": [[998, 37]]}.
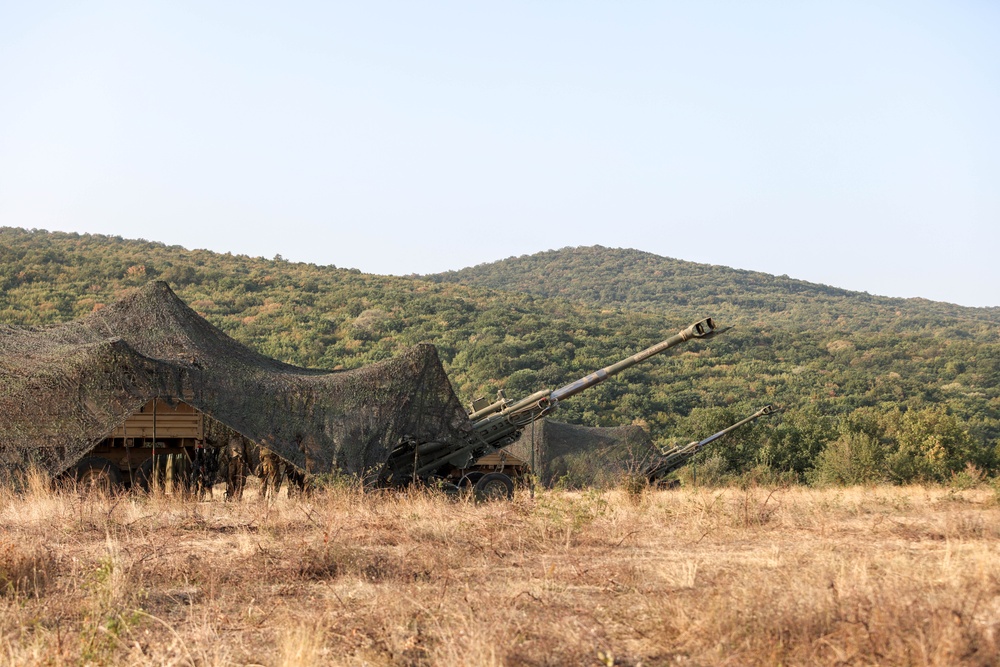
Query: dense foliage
{"points": [[916, 382], [642, 281]]}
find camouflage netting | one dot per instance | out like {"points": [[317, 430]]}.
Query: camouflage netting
{"points": [[64, 389], [585, 456]]}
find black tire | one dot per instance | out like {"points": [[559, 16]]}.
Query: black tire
{"points": [[494, 486], [95, 473], [470, 480]]}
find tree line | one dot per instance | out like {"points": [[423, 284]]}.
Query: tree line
{"points": [[873, 389]]}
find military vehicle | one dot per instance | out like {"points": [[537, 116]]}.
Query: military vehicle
{"points": [[480, 463], [150, 435], [670, 460]]}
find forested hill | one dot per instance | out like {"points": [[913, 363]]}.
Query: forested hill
{"points": [[637, 280], [882, 388]]}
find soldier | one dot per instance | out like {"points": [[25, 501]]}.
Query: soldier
{"points": [[204, 470], [236, 473], [297, 481], [270, 473]]}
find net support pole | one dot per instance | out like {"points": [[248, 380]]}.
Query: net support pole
{"points": [[533, 470], [155, 470]]}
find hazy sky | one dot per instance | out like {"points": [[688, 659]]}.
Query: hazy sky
{"points": [[850, 143]]}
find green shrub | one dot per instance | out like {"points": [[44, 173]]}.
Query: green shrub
{"points": [[853, 458]]}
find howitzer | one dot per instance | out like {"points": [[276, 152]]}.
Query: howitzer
{"points": [[498, 424], [676, 457]]}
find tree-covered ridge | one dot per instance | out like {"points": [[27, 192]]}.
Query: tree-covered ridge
{"points": [[640, 280], [839, 363], [318, 316]]}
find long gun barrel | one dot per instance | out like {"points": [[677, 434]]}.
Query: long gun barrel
{"points": [[675, 458], [701, 329], [498, 424]]}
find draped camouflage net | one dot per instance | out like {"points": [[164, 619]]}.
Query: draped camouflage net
{"points": [[64, 389], [585, 456]]}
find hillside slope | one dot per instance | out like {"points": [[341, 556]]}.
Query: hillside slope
{"points": [[642, 281], [843, 364]]}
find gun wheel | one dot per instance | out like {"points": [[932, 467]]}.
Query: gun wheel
{"points": [[494, 486], [97, 474]]}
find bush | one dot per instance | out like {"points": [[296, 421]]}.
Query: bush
{"points": [[713, 471], [853, 458]]}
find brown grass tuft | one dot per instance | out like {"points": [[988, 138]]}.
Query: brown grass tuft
{"points": [[25, 570]]}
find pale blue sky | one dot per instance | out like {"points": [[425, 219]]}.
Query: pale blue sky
{"points": [[849, 143]]}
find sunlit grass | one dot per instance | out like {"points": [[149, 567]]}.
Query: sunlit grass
{"points": [[882, 575]]}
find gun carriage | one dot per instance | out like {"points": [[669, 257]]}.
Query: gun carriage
{"points": [[480, 461]]}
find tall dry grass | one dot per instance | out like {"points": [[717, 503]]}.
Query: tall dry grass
{"points": [[701, 577]]}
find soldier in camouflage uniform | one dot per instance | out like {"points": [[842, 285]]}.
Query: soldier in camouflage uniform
{"points": [[297, 481], [204, 470], [270, 473], [236, 471]]}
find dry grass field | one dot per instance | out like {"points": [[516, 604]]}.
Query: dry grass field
{"points": [[757, 576]]}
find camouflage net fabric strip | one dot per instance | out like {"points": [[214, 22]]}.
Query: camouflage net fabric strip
{"points": [[585, 456], [65, 388]]}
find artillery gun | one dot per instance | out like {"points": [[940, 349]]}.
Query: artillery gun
{"points": [[676, 457], [480, 461]]}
